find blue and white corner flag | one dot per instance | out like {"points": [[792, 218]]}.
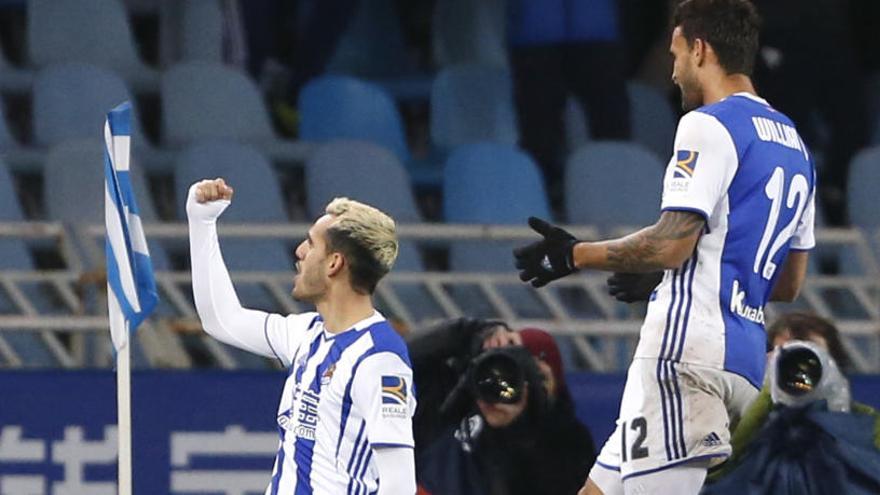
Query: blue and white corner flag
{"points": [[131, 294]]}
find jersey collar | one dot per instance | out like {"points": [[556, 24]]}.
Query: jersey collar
{"points": [[752, 97]]}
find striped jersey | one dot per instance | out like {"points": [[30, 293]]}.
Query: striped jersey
{"points": [[345, 395], [743, 167]]}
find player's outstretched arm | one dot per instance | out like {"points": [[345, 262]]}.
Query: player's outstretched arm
{"points": [[216, 302], [666, 244]]}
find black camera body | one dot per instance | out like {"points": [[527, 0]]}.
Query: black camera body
{"points": [[500, 375]]}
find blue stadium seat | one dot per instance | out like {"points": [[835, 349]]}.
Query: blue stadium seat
{"points": [[89, 31], [369, 173], [862, 188], [71, 101], [199, 30], [610, 184], [202, 100], [472, 103], [653, 121], [492, 184], [363, 171], [338, 107]]}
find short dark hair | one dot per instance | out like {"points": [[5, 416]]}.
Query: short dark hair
{"points": [[729, 26], [802, 325], [364, 268]]}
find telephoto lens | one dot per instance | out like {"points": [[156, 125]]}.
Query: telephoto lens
{"points": [[799, 370], [802, 372], [499, 375]]}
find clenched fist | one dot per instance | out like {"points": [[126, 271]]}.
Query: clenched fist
{"points": [[207, 199], [212, 189]]}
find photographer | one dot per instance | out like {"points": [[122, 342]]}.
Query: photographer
{"points": [[808, 356], [494, 415]]}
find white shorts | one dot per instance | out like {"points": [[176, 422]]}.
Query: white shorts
{"points": [[673, 413]]}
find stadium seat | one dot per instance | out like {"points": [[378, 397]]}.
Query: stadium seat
{"points": [[472, 103], [71, 101], [209, 101], [369, 173], [610, 184], [653, 121], [192, 30], [339, 107], [365, 172], [469, 31], [492, 184], [88, 31], [862, 188], [204, 101]]}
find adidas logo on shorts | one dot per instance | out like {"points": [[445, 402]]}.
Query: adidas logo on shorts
{"points": [[711, 440]]}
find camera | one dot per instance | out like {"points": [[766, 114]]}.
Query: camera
{"points": [[802, 372], [500, 375]]}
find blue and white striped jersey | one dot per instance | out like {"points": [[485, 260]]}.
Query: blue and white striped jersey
{"points": [[742, 166], [346, 394]]}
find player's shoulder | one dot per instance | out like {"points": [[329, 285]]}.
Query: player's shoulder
{"points": [[386, 339], [303, 321]]}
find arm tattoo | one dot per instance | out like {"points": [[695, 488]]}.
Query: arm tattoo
{"points": [[643, 250]]}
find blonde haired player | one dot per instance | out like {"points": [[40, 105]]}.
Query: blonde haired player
{"points": [[345, 416]]}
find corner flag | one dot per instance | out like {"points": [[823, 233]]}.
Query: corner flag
{"points": [[131, 294]]}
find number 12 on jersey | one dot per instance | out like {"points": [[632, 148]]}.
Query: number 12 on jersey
{"points": [[798, 191]]}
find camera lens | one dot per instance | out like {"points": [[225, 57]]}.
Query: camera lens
{"points": [[799, 371], [498, 378]]}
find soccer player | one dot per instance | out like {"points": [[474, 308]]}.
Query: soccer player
{"points": [[733, 233], [345, 417]]}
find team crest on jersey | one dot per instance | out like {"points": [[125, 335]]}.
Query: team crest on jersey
{"points": [[328, 374], [685, 164]]}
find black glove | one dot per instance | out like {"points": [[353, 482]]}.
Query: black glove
{"points": [[632, 287], [546, 260]]}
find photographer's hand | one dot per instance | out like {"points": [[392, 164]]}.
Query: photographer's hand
{"points": [[501, 337]]}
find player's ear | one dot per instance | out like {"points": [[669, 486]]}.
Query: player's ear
{"points": [[335, 263], [699, 51]]}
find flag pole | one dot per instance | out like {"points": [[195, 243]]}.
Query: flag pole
{"points": [[123, 403]]}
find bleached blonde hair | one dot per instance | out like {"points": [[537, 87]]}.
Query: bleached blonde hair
{"points": [[366, 236]]}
